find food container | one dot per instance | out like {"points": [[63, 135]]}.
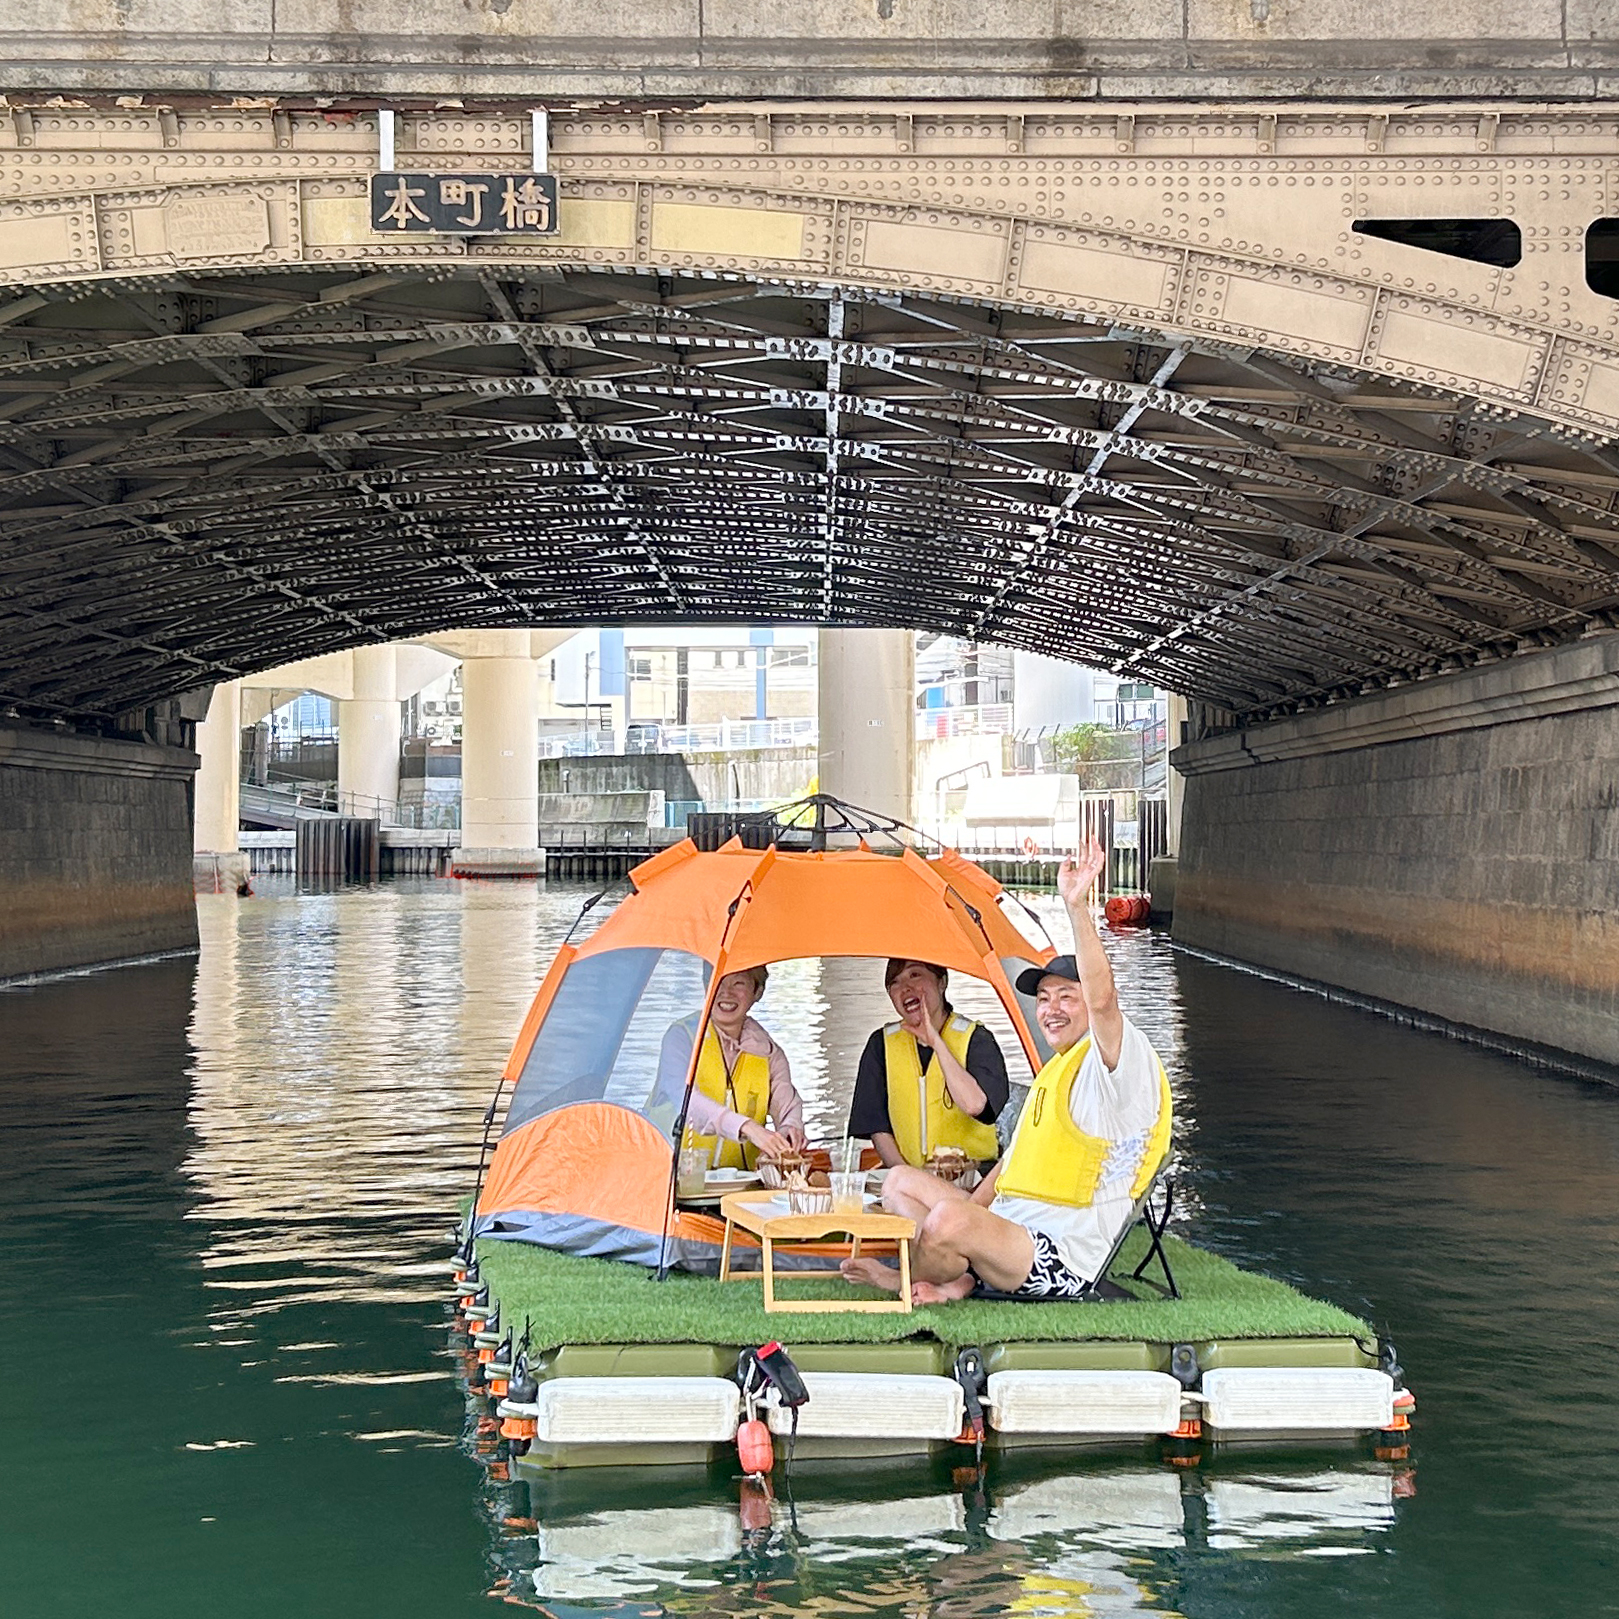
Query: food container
{"points": [[775, 1171], [809, 1199]]}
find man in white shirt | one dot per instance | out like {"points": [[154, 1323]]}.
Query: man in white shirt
{"points": [[1094, 1129]]}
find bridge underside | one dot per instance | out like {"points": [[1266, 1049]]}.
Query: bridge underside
{"points": [[1304, 411], [205, 474]]}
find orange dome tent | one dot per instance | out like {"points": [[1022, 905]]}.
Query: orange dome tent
{"points": [[584, 1161]]}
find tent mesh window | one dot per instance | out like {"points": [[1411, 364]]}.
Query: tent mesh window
{"points": [[604, 1032]]}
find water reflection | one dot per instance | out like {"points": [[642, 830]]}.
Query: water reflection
{"points": [[1330, 1511], [1034, 1538], [345, 1045]]}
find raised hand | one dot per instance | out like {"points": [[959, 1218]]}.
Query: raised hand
{"points": [[925, 1031], [1077, 874], [1074, 882]]}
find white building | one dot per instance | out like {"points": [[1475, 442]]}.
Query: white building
{"points": [[701, 687]]}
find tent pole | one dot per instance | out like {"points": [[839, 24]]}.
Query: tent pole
{"points": [[674, 1160], [483, 1152]]}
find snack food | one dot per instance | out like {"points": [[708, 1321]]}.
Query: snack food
{"points": [[804, 1197], [949, 1163]]}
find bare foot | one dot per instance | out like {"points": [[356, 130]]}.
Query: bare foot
{"points": [[941, 1292], [871, 1273]]}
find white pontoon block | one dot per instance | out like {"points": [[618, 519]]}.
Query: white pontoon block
{"points": [[1295, 1399], [875, 1405], [1084, 1402], [635, 1410]]}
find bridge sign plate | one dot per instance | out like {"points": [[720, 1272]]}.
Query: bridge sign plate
{"points": [[465, 204]]}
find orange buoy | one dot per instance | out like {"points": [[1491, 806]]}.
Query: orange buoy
{"points": [[755, 1449], [1127, 910], [1030, 846]]}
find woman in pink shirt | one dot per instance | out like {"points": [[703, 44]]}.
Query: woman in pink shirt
{"points": [[738, 1034]]}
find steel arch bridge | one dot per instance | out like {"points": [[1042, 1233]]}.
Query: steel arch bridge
{"points": [[1127, 387]]}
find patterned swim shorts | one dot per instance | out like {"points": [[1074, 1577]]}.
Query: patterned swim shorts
{"points": [[1048, 1277]]}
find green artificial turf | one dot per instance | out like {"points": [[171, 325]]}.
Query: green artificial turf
{"points": [[571, 1300]]}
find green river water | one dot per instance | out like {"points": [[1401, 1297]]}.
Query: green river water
{"points": [[226, 1388]]}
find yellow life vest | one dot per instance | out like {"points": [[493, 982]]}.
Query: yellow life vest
{"points": [[921, 1111], [1052, 1159], [746, 1090]]}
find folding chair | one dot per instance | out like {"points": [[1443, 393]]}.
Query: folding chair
{"points": [[1154, 1220]]}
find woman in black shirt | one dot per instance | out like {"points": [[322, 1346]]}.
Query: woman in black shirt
{"points": [[932, 1079]]}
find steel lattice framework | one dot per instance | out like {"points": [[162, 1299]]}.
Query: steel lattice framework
{"points": [[202, 475]]}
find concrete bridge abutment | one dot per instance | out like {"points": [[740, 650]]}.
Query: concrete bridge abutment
{"points": [[1451, 846], [95, 847]]}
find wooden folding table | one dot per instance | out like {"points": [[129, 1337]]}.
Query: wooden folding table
{"points": [[771, 1220]]}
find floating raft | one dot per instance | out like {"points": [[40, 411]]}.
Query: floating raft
{"points": [[635, 1372]]}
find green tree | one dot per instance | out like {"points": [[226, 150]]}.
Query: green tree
{"points": [[1095, 754]]}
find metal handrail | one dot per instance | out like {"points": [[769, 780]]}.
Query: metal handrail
{"points": [[324, 800]]}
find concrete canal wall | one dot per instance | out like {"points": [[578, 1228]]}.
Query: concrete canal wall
{"points": [[769, 774], [95, 850], [1451, 847]]}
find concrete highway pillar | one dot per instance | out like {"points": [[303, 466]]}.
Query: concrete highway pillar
{"points": [[368, 733], [867, 705], [1165, 868], [500, 696], [218, 790], [1175, 782]]}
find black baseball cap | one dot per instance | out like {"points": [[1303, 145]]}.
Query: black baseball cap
{"points": [[1028, 981]]}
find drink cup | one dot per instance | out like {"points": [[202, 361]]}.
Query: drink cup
{"points": [[689, 1176], [848, 1191]]}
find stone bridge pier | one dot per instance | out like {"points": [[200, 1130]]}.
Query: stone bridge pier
{"points": [[1450, 846], [95, 840]]}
